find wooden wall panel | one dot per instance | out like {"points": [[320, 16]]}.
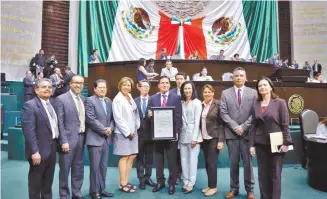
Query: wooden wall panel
{"points": [[55, 30], [284, 19]]}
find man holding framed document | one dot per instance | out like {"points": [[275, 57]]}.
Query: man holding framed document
{"points": [[166, 113]]}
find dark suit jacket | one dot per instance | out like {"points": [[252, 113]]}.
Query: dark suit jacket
{"points": [[67, 79], [97, 121], [39, 59], [68, 119], [275, 119], [36, 128], [173, 100], [214, 123], [28, 86], [144, 132], [318, 66]]}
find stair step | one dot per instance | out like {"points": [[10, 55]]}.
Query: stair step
{"points": [[4, 145]]}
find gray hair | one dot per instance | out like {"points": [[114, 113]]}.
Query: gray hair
{"points": [[239, 68], [56, 69], [37, 83]]}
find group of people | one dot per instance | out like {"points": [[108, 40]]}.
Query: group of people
{"points": [[60, 83], [41, 67], [243, 119]]}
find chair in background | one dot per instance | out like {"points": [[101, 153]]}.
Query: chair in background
{"points": [[195, 76], [227, 76], [309, 121]]}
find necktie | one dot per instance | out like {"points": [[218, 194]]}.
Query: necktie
{"points": [[143, 106], [164, 101], [53, 118], [239, 99], [104, 106], [81, 116]]}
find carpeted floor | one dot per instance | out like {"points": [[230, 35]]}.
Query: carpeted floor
{"points": [[14, 183]]}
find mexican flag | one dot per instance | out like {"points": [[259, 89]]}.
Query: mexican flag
{"points": [[133, 29]]}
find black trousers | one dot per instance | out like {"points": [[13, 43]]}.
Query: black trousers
{"points": [[269, 172], [40, 177], [171, 150], [144, 159], [178, 164], [211, 153]]}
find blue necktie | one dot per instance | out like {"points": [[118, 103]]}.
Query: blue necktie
{"points": [[104, 106], [144, 106]]}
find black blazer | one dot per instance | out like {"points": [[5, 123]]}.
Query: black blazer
{"points": [[36, 128], [275, 119], [214, 123], [28, 86], [144, 132]]}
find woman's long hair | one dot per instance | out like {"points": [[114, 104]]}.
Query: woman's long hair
{"points": [[273, 95]]}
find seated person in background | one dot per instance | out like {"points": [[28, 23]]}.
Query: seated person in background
{"points": [[150, 69], [203, 75], [221, 55], [318, 79], [306, 66], [141, 73], [279, 64], [175, 56], [163, 53], [194, 55], [40, 75], [52, 62], [322, 128], [236, 57], [253, 59], [95, 58], [295, 65], [285, 63], [169, 71]]}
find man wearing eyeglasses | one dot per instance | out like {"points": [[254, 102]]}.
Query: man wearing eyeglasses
{"points": [[40, 128], [71, 118]]}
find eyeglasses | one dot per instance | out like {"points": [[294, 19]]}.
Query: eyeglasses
{"points": [[79, 83]]}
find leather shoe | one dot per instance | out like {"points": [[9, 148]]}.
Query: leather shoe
{"points": [[171, 189], [158, 187], [103, 193], [250, 195], [95, 196], [231, 195], [142, 185], [150, 183]]}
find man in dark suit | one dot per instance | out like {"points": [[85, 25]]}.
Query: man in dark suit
{"points": [[236, 111], [28, 86], [162, 99], [40, 128], [316, 68], [56, 82], [95, 58], [144, 158], [180, 79], [99, 119], [71, 117], [39, 62], [67, 78]]}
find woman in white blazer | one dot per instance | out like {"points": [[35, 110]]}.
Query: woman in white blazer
{"points": [[190, 135], [127, 121]]}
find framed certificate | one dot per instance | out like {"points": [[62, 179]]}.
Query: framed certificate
{"points": [[162, 123]]}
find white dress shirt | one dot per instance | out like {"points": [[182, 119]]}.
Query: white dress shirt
{"points": [[52, 122], [76, 104], [236, 91]]}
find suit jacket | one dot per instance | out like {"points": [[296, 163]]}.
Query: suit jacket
{"points": [[144, 132], [68, 77], [173, 100], [275, 119], [39, 59], [174, 90], [68, 119], [191, 122], [126, 120], [28, 86], [55, 81], [234, 114], [93, 58], [97, 121], [214, 123], [318, 67], [36, 128], [169, 73]]}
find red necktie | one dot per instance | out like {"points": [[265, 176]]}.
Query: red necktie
{"points": [[239, 99], [164, 101]]}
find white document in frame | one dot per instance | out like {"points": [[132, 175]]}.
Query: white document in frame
{"points": [[276, 139], [163, 123]]}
